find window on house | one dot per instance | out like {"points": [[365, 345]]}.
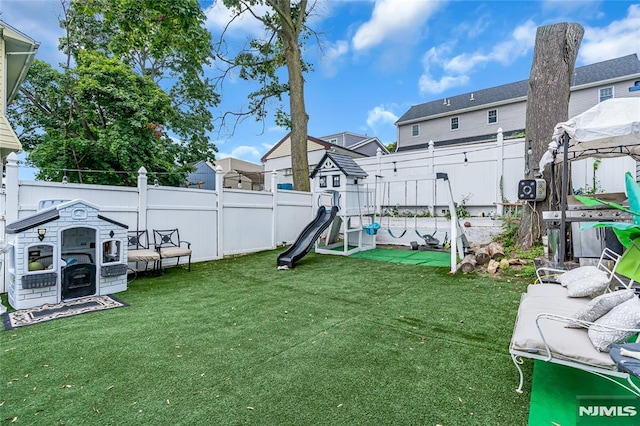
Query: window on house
{"points": [[415, 130], [606, 93], [288, 172], [336, 181], [492, 116], [333, 141], [323, 181], [455, 123]]}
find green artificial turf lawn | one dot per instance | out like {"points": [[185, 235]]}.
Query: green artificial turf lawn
{"points": [[334, 341]]}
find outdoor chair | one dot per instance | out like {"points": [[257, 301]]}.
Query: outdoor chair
{"points": [[138, 249], [608, 263], [169, 245]]}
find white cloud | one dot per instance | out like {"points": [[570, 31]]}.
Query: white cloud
{"points": [[332, 56], [394, 19], [619, 38], [380, 115], [455, 71], [436, 56], [219, 16], [521, 42], [243, 152], [428, 84]]}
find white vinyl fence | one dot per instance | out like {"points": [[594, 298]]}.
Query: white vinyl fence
{"points": [[216, 223], [482, 175]]}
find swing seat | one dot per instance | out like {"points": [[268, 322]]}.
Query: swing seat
{"points": [[430, 240], [372, 229], [394, 236]]}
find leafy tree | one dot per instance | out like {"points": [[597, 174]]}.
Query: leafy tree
{"points": [[106, 109], [285, 27], [100, 115], [392, 146]]}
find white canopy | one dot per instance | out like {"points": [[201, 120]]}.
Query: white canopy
{"points": [[609, 129]]}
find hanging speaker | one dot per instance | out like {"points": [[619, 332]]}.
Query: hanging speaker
{"points": [[532, 189]]}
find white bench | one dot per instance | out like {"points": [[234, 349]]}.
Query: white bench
{"points": [[540, 333]]}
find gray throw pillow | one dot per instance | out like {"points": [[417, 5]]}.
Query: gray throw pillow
{"points": [[580, 273], [600, 306], [589, 286], [626, 315]]}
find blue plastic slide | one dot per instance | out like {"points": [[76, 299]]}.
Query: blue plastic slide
{"points": [[307, 237]]}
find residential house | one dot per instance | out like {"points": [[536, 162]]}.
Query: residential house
{"points": [[237, 174], [363, 144], [17, 52], [477, 116], [351, 144]]}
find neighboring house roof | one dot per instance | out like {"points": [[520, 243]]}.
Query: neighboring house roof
{"points": [[283, 148], [369, 147], [343, 162], [601, 71], [20, 51], [363, 144], [229, 163], [17, 51], [231, 168]]}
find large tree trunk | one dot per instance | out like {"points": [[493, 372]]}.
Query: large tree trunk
{"points": [[289, 34], [299, 120], [554, 59]]}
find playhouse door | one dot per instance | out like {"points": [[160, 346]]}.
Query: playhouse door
{"points": [[79, 271]]}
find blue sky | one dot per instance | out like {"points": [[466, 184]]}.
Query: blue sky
{"points": [[373, 59]]}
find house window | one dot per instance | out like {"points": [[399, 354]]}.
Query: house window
{"points": [[336, 181], [606, 93], [454, 123], [333, 141], [415, 130], [492, 116], [288, 172], [323, 181]]}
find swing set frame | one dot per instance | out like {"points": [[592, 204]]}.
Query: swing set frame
{"points": [[457, 237]]}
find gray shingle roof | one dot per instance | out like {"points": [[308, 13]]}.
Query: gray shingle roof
{"points": [[606, 70], [32, 221], [46, 216], [345, 163]]}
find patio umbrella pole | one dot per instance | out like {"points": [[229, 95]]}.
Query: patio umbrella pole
{"points": [[563, 198]]}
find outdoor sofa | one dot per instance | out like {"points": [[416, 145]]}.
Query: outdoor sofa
{"points": [[575, 322]]}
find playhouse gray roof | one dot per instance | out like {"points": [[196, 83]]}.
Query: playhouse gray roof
{"points": [[345, 163], [32, 221], [45, 216], [601, 71]]}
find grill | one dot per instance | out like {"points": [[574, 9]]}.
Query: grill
{"points": [[590, 243], [578, 212], [588, 215]]}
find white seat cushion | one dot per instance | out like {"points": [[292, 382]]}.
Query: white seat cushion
{"points": [[174, 252], [142, 255], [566, 343]]}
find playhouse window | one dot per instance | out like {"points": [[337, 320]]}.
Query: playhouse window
{"points": [[111, 251], [323, 181], [336, 181], [40, 257]]}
